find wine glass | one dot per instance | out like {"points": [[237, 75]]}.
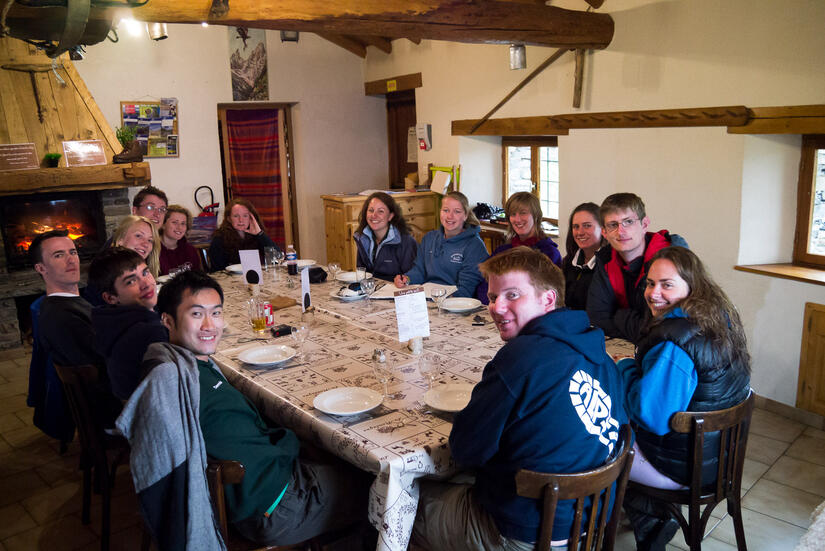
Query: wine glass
{"points": [[269, 258], [428, 367], [334, 268], [381, 369], [300, 332], [277, 258], [438, 296], [368, 287]]}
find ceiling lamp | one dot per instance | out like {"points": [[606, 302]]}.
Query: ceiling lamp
{"points": [[289, 36], [518, 56], [157, 31]]}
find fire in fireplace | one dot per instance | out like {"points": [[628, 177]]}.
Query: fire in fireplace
{"points": [[25, 216]]}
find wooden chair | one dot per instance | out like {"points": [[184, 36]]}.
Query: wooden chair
{"points": [[733, 425], [219, 473], [206, 261], [101, 453], [595, 485]]}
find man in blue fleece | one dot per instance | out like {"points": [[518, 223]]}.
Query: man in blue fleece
{"points": [[550, 400], [127, 324]]}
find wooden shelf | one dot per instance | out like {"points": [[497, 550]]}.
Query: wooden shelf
{"points": [[786, 271], [42, 180]]}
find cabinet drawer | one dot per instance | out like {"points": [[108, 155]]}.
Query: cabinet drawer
{"points": [[417, 205]]}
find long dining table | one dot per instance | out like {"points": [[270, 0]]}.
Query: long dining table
{"points": [[401, 440]]}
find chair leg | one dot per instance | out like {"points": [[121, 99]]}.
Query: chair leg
{"points": [[695, 528], [106, 512], [87, 495], [735, 512]]}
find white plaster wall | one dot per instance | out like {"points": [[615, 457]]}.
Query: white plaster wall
{"points": [[340, 136], [714, 188]]}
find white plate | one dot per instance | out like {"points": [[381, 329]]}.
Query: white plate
{"points": [[304, 262], [349, 277], [460, 304], [163, 279], [267, 355], [235, 268], [334, 294], [347, 400], [452, 397]]}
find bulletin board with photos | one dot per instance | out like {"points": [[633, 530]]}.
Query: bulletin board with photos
{"points": [[156, 124]]}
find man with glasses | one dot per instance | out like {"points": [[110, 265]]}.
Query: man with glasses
{"points": [[615, 301], [151, 203]]}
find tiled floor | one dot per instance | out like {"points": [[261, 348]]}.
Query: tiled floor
{"points": [[40, 490]]}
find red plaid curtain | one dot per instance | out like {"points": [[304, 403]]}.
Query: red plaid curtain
{"points": [[254, 165]]}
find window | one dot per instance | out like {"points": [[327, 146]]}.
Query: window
{"points": [[809, 242], [532, 165]]}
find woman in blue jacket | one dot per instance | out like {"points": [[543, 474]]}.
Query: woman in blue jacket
{"points": [[692, 356], [385, 246], [524, 220], [450, 255]]}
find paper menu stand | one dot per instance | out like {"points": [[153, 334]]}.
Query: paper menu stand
{"points": [[411, 314], [251, 262], [306, 300], [441, 180]]}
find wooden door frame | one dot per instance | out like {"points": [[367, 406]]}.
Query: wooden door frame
{"points": [[285, 128]]}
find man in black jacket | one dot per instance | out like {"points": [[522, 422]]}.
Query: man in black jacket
{"points": [[615, 300], [127, 324]]}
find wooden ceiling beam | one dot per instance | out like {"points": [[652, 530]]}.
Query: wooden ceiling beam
{"points": [[797, 119], [475, 21], [379, 42], [736, 115], [347, 42]]}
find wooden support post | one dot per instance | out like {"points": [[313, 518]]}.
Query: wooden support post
{"points": [[577, 87]]}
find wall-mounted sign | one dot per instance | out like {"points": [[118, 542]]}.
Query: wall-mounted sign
{"points": [[84, 153], [17, 156]]}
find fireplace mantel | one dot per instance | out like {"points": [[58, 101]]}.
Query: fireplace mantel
{"points": [[43, 180]]}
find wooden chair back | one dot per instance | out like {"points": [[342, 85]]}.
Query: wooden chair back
{"points": [[595, 485], [733, 425]]}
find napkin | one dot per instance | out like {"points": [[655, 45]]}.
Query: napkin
{"points": [[278, 302]]}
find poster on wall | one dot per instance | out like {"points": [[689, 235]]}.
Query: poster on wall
{"points": [[155, 124], [247, 61]]}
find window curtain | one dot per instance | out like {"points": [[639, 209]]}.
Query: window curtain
{"points": [[254, 165]]}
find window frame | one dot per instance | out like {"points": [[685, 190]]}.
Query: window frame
{"points": [[534, 142], [807, 166]]}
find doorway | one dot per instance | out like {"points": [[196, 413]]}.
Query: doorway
{"points": [[400, 117], [258, 165]]}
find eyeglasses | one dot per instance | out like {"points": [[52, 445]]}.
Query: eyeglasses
{"points": [[151, 208], [626, 223]]}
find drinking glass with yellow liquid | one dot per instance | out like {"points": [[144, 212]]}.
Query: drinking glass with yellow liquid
{"points": [[257, 316]]}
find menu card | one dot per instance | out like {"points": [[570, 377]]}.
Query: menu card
{"points": [[306, 301], [251, 262], [411, 314]]}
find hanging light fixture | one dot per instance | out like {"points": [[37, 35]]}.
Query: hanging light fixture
{"points": [[518, 56], [157, 31], [289, 36]]}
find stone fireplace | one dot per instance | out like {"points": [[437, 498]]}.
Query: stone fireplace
{"points": [[19, 283]]}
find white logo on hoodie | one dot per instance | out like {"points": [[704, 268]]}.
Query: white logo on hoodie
{"points": [[593, 406]]}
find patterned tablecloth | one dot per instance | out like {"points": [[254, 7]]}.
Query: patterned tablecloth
{"points": [[402, 439]]}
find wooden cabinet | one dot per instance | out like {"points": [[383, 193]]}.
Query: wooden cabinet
{"points": [[811, 387], [341, 220]]}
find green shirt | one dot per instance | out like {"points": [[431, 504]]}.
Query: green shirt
{"points": [[233, 430]]}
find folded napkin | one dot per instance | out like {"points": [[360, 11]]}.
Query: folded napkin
{"points": [[278, 302]]}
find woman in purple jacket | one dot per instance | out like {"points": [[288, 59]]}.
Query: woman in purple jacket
{"points": [[175, 252], [524, 220]]}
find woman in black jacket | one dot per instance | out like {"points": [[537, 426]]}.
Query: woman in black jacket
{"points": [[584, 239]]}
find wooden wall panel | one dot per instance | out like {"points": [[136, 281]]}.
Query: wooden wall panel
{"points": [[15, 128]]}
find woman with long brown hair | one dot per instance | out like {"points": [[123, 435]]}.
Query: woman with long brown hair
{"points": [[584, 239], [240, 230], [385, 246], [692, 356], [175, 252]]}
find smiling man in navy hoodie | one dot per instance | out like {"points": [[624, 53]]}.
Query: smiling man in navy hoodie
{"points": [[127, 324], [550, 401]]}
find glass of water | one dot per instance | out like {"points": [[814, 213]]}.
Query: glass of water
{"points": [[300, 332], [428, 367], [368, 287]]}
